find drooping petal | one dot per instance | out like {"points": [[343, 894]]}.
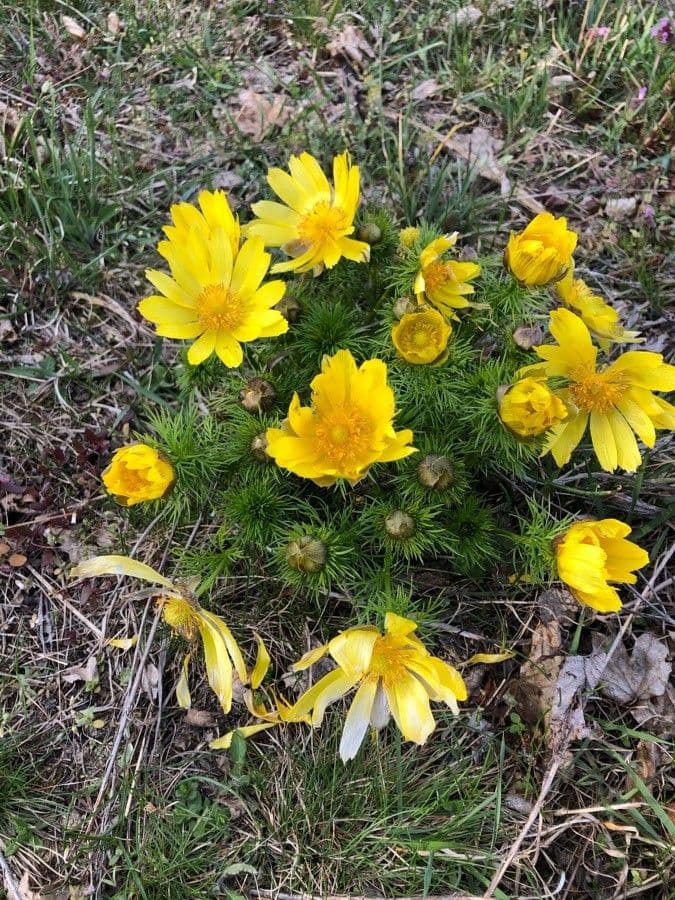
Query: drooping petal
{"points": [[262, 664], [409, 703], [358, 719], [119, 565], [353, 649], [183, 697]]}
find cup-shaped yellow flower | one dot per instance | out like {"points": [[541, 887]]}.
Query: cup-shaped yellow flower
{"points": [[421, 337], [136, 474], [444, 283], [394, 675], [529, 408], [184, 615], [348, 427], [215, 292], [314, 222], [617, 400], [542, 252], [589, 555], [601, 319]]}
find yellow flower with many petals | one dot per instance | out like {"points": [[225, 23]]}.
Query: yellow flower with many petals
{"points": [[601, 319], [589, 555], [348, 427], [529, 408], [215, 292], [136, 474], [314, 225], [542, 252], [394, 675], [183, 614], [617, 400], [421, 337], [444, 283]]}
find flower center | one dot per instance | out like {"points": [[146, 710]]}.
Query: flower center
{"points": [[422, 335], [436, 274], [389, 659], [322, 224], [596, 391], [219, 308], [180, 616], [343, 435]]}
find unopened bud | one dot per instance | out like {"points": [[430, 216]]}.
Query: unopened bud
{"points": [[436, 472], [528, 336], [306, 554], [259, 448], [257, 396], [403, 306], [289, 308], [408, 236], [370, 233], [399, 525]]}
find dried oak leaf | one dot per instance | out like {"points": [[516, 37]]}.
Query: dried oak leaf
{"points": [[257, 115], [480, 148], [627, 679], [351, 44]]}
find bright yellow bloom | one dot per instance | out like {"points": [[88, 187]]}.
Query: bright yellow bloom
{"points": [[183, 614], [314, 225], [529, 408], [591, 554], [601, 319], [348, 427], [542, 253], [444, 283], [136, 474], [422, 337], [214, 293], [408, 236], [617, 399], [394, 675]]}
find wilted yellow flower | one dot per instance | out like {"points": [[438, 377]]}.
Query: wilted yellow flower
{"points": [[422, 337], [348, 427], [138, 473], [214, 293], [394, 675], [617, 400], [444, 283], [314, 225], [591, 554], [408, 236], [601, 319], [542, 253], [529, 408], [183, 614]]}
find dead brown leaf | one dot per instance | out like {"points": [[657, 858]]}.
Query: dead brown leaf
{"points": [[627, 679], [536, 687], [480, 148], [258, 115], [200, 718], [88, 672], [426, 89], [351, 44], [73, 27], [467, 15]]}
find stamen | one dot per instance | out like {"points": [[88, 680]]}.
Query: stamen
{"points": [[218, 308]]}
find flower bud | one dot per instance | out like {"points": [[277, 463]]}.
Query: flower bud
{"points": [[436, 472], [306, 554], [370, 233], [257, 396], [399, 525], [289, 308], [403, 306], [408, 236], [259, 448]]}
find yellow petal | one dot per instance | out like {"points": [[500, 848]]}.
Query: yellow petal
{"points": [[409, 704], [604, 442], [394, 624], [118, 565], [124, 643], [489, 658], [183, 697], [218, 665], [230, 643], [202, 348], [310, 658], [262, 664], [225, 742], [353, 649], [358, 719]]}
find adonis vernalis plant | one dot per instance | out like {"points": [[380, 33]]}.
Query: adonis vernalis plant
{"points": [[353, 432]]}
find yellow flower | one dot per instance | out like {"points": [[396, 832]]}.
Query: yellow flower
{"points": [[136, 474], [408, 236], [591, 554], [183, 614], [601, 319], [214, 293], [394, 675], [542, 253], [314, 225], [617, 399], [529, 408], [348, 427], [422, 337], [444, 283]]}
